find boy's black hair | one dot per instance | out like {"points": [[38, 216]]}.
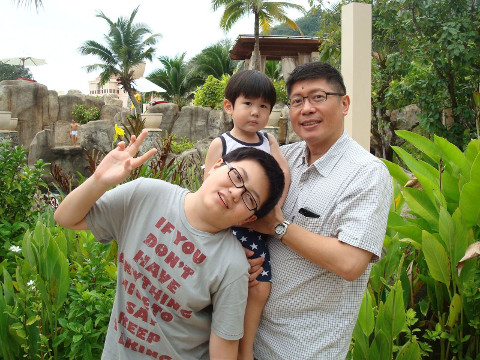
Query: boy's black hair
{"points": [[251, 84], [275, 175], [317, 70]]}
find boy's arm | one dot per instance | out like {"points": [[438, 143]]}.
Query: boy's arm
{"points": [[214, 153], [222, 349], [277, 154], [113, 169]]}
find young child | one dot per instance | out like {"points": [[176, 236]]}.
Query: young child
{"points": [[182, 276], [249, 99], [74, 132]]}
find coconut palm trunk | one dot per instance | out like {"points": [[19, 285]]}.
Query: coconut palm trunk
{"points": [[265, 13], [256, 47]]}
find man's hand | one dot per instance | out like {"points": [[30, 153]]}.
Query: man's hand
{"points": [[119, 162], [266, 225], [113, 169], [255, 267]]}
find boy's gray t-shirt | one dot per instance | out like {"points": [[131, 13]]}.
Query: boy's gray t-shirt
{"points": [[175, 284]]}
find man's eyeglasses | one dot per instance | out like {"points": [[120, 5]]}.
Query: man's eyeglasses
{"points": [[238, 182], [316, 98]]}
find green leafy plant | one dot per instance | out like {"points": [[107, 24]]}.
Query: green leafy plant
{"points": [[418, 303], [56, 304], [211, 93], [20, 185], [281, 91], [182, 145], [82, 114]]}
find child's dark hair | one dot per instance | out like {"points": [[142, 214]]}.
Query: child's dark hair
{"points": [[251, 84], [275, 175], [317, 70]]}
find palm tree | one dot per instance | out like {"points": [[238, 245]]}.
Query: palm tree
{"points": [[273, 69], [265, 13], [177, 78], [215, 60], [126, 48]]}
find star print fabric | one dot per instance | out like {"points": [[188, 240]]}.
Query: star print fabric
{"points": [[256, 242]]}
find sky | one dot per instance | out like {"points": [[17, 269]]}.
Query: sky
{"points": [[58, 29]]}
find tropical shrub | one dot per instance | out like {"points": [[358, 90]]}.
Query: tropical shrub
{"points": [[281, 91], [83, 115], [19, 184], [180, 146], [417, 303], [20, 198], [57, 302], [211, 93]]}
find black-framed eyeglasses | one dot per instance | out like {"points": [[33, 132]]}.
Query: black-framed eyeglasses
{"points": [[316, 98], [238, 182]]}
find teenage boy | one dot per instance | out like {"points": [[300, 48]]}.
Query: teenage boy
{"points": [[249, 99], [328, 232], [182, 278]]}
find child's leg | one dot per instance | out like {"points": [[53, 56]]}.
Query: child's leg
{"points": [[257, 297]]}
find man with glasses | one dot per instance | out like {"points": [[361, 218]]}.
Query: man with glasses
{"points": [[182, 280], [328, 232]]}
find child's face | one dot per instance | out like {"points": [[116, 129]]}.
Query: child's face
{"points": [[224, 199], [248, 114]]}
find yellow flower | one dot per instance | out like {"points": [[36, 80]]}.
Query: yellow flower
{"points": [[118, 132]]}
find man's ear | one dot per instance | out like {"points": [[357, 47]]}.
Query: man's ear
{"points": [[345, 104], [216, 166], [248, 220], [228, 106]]}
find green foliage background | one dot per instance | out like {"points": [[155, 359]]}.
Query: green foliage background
{"points": [[13, 72], [82, 114]]}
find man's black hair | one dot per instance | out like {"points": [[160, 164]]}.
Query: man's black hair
{"points": [[251, 84], [275, 175], [317, 70]]}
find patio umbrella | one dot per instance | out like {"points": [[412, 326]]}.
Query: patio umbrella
{"points": [[24, 61], [144, 85]]}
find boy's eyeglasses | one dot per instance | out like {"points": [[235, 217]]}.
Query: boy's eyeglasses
{"points": [[238, 182], [315, 99]]}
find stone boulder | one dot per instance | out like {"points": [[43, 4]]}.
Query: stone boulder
{"points": [[192, 123], [112, 99], [53, 108], [218, 123], [97, 135], [61, 133], [405, 118], [68, 158], [170, 114], [29, 102], [121, 117], [108, 112], [68, 102]]}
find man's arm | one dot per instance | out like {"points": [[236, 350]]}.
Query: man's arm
{"points": [[222, 349], [342, 259], [113, 169], [277, 154]]}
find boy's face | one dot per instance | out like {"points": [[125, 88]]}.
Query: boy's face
{"points": [[224, 199], [248, 114]]}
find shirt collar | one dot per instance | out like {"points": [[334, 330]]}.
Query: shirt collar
{"points": [[326, 162]]}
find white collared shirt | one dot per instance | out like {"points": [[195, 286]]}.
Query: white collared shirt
{"points": [[311, 312]]}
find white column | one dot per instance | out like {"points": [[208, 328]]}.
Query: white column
{"points": [[288, 64], [357, 68]]}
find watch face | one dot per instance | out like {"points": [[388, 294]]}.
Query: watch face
{"points": [[279, 229]]}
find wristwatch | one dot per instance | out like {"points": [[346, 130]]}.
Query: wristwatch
{"points": [[280, 230]]}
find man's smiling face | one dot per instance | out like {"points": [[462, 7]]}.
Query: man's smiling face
{"points": [[224, 199], [320, 125]]}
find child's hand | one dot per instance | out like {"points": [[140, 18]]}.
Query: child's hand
{"points": [[119, 162]]}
